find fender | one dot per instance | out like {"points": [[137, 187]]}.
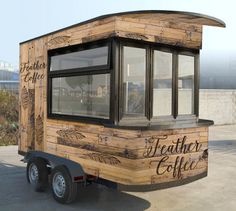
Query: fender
{"points": [[75, 169]]}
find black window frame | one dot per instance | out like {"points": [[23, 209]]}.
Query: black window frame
{"points": [[114, 68], [195, 105], [146, 117], [165, 118], [174, 117], [91, 70]]}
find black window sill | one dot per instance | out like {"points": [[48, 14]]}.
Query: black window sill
{"points": [[163, 126], [136, 124], [82, 119]]}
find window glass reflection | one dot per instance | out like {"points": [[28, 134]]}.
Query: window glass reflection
{"points": [[134, 76], [162, 84], [185, 84], [87, 95], [80, 59]]}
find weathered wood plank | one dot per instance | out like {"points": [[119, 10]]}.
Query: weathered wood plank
{"points": [[166, 24], [74, 135], [154, 150], [144, 160], [82, 34], [150, 29], [144, 167], [159, 39], [23, 100], [155, 33], [121, 133]]}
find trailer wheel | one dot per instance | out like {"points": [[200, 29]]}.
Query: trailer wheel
{"points": [[64, 190], [37, 174]]}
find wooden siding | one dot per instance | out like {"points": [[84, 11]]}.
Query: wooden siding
{"points": [[130, 156]]}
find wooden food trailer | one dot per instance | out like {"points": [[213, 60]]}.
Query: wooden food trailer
{"points": [[114, 99]]}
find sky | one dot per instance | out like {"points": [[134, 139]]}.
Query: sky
{"points": [[21, 20]]}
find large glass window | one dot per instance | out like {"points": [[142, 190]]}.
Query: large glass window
{"points": [[76, 92], [153, 83], [80, 59], [162, 83], [172, 92], [87, 95], [185, 84], [134, 77]]}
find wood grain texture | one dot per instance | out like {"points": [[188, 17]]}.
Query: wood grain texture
{"points": [[143, 157], [32, 58], [164, 32]]}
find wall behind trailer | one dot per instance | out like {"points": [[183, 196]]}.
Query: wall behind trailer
{"points": [[218, 105]]}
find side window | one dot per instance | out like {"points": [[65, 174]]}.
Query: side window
{"points": [[87, 95], [94, 57], [162, 83], [157, 83], [185, 84], [80, 82], [133, 81]]}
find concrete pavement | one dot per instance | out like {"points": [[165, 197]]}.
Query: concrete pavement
{"points": [[216, 192]]}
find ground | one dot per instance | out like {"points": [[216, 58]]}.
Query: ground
{"points": [[216, 192]]}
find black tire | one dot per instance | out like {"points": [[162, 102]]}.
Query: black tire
{"points": [[37, 174], [64, 190]]}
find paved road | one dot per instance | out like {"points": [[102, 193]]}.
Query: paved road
{"points": [[216, 192]]}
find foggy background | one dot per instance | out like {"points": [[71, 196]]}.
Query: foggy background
{"points": [[218, 70], [25, 19]]}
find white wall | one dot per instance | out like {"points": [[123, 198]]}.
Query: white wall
{"points": [[214, 104], [218, 105]]}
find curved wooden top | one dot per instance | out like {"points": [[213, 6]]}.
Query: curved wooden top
{"points": [[171, 16], [155, 16]]}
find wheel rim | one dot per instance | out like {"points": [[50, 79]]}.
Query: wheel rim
{"points": [[33, 174], [59, 185]]}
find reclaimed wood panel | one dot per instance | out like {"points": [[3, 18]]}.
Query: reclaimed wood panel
{"points": [[82, 34], [124, 150], [41, 72], [177, 17], [137, 163], [23, 100], [138, 171], [185, 35], [142, 157], [158, 30], [167, 24], [33, 71]]}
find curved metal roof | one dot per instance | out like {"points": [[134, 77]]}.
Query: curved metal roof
{"points": [[155, 15]]}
